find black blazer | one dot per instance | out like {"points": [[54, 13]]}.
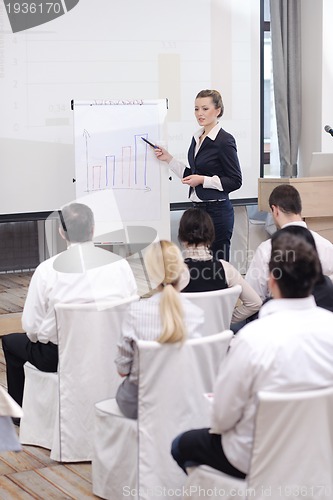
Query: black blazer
{"points": [[215, 157]]}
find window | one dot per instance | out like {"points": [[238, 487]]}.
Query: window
{"points": [[270, 155]]}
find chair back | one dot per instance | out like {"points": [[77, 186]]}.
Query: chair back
{"points": [[173, 379], [8, 436], [292, 454], [293, 445], [87, 341], [218, 306]]}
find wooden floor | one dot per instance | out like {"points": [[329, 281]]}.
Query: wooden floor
{"points": [[31, 474]]}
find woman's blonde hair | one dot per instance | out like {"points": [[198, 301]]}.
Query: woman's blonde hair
{"points": [[165, 265]]}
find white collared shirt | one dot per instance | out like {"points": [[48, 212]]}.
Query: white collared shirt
{"points": [[178, 167], [144, 322], [258, 272], [289, 348], [48, 287]]}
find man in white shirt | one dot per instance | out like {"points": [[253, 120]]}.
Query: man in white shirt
{"points": [[81, 274], [289, 348], [286, 206]]}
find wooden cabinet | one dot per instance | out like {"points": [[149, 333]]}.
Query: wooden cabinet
{"points": [[317, 200]]}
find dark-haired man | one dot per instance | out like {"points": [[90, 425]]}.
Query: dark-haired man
{"points": [[286, 206], [82, 273], [289, 348]]}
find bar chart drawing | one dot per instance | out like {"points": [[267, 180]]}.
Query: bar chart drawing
{"points": [[110, 166], [128, 171], [111, 155], [97, 173]]}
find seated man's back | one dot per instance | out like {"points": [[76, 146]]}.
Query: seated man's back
{"points": [[79, 274], [48, 286], [286, 206], [257, 273], [290, 348]]}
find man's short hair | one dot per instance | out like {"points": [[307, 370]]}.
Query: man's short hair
{"points": [[294, 264], [287, 198], [77, 221]]}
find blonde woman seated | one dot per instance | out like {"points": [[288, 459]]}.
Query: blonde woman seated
{"points": [[196, 234], [166, 317]]}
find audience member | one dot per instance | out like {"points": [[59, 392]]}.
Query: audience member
{"points": [[323, 288], [196, 234], [49, 286], [289, 348], [285, 203], [167, 317]]}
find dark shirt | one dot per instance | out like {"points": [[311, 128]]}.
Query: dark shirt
{"points": [[323, 293], [205, 276]]}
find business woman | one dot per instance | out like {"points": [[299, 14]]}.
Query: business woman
{"points": [[213, 170]]}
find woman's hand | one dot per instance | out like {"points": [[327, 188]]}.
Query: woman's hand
{"points": [[193, 180], [162, 154]]}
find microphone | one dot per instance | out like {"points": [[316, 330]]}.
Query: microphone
{"points": [[328, 129]]}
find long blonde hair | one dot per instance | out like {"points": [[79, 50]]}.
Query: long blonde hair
{"points": [[165, 265]]}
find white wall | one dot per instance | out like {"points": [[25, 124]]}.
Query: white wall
{"points": [[122, 50]]}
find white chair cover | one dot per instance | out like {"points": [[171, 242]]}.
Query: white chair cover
{"points": [[115, 460], [172, 383], [40, 406], [293, 448], [207, 482], [292, 454], [218, 306], [8, 408], [59, 408]]}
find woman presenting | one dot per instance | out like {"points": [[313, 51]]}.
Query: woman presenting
{"points": [[213, 170]]}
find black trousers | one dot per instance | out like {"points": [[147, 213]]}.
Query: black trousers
{"points": [[222, 214], [199, 447], [18, 349]]}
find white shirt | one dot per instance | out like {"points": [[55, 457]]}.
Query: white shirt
{"points": [[258, 272], [250, 301], [289, 348], [178, 167], [144, 322], [49, 287]]}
